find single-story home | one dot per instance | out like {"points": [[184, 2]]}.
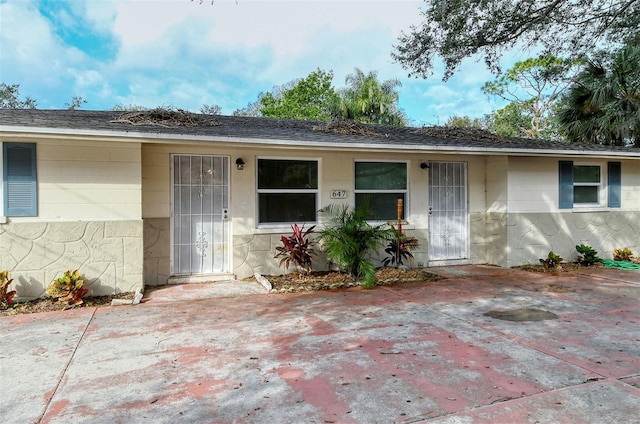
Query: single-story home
{"points": [[133, 199]]}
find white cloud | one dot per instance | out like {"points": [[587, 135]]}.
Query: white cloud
{"points": [[187, 54]]}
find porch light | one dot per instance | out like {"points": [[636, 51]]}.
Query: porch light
{"points": [[239, 164], [424, 165]]}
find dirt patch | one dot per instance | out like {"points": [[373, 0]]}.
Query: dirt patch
{"points": [[47, 305], [329, 280], [563, 267], [522, 315]]}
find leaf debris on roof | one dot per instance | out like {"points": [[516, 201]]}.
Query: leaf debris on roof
{"points": [[167, 118], [475, 134], [344, 126]]}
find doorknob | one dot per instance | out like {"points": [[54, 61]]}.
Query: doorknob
{"points": [[430, 210], [225, 214]]}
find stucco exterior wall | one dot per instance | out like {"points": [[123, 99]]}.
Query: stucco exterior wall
{"points": [[254, 245], [533, 183], [87, 180], [530, 236], [107, 253]]}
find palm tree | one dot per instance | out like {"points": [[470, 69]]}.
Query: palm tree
{"points": [[367, 100], [603, 105]]}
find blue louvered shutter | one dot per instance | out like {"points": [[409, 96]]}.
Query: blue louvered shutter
{"points": [[19, 175], [566, 185], [614, 184]]}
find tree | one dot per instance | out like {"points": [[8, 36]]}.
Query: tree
{"points": [[455, 30], [210, 109], [513, 120], [312, 97], [76, 103], [10, 98], [367, 100], [532, 86], [603, 104], [128, 108], [466, 122], [252, 109]]}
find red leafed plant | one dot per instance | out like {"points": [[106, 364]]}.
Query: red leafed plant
{"points": [[297, 248], [68, 288], [6, 297]]}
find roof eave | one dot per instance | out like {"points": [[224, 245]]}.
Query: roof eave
{"points": [[25, 132]]}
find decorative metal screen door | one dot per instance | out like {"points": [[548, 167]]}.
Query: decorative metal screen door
{"points": [[200, 206], [448, 221]]}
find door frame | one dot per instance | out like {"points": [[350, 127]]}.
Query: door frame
{"points": [[227, 267], [467, 244]]}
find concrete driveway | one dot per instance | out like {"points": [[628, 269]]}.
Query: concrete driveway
{"points": [[421, 352]]}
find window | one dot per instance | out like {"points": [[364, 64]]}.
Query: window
{"points": [[581, 185], [586, 185], [287, 190], [19, 179], [378, 185]]}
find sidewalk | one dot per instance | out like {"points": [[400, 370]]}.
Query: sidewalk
{"points": [[407, 353]]}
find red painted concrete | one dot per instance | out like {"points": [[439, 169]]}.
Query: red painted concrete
{"points": [[420, 352]]}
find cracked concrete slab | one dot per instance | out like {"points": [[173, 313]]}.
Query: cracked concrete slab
{"points": [[419, 352]]}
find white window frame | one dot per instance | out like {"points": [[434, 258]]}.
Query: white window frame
{"points": [[405, 191], [259, 191], [599, 185]]}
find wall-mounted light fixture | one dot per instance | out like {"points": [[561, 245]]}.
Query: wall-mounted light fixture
{"points": [[239, 164], [424, 165]]}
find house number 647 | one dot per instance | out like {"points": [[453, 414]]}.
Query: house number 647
{"points": [[338, 194]]}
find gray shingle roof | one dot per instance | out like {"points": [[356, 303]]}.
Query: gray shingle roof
{"points": [[299, 132]]}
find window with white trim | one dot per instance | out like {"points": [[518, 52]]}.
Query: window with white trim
{"points": [[582, 185], [378, 185], [287, 191], [587, 184]]}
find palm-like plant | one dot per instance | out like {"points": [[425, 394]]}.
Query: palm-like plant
{"points": [[349, 237], [367, 100], [603, 105]]}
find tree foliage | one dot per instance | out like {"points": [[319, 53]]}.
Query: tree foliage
{"points": [[212, 109], [368, 100], [458, 29], [10, 98], [533, 87], [603, 104], [76, 102], [311, 97]]}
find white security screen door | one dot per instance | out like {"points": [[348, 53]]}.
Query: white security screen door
{"points": [[448, 221], [200, 210]]}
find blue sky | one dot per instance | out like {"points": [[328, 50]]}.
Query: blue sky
{"points": [[185, 54]]}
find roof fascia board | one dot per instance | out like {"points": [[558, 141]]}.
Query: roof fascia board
{"points": [[160, 138]]}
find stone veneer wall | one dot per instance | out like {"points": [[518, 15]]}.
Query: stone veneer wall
{"points": [[107, 253], [157, 250], [519, 238]]}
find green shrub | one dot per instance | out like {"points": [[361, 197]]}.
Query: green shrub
{"points": [[349, 237], [587, 255], [551, 261], [297, 248], [68, 288]]}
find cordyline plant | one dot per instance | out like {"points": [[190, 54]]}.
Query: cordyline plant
{"points": [[297, 248], [399, 248], [349, 237], [68, 288], [6, 297]]}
